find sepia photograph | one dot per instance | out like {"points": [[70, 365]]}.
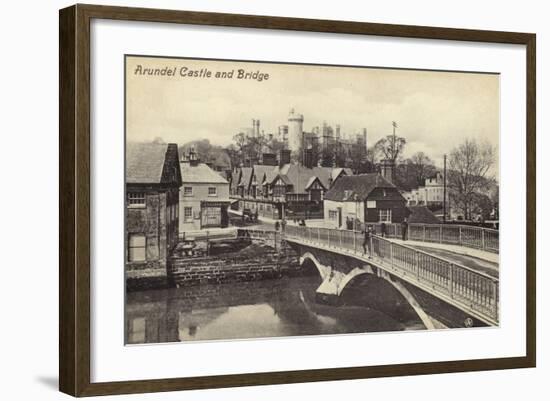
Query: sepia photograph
{"points": [[270, 199]]}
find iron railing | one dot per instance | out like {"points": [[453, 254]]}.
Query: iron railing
{"points": [[485, 239], [460, 285]]}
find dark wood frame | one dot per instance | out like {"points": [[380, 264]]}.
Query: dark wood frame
{"points": [[74, 199]]}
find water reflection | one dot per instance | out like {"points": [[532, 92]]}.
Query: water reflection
{"points": [[271, 308]]}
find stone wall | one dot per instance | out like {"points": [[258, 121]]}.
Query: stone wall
{"points": [[235, 267]]}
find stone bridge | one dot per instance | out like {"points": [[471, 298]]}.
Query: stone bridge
{"points": [[439, 290]]}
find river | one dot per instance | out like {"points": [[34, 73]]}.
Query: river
{"points": [[269, 308]]}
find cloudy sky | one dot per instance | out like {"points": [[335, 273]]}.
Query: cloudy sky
{"points": [[435, 111]]}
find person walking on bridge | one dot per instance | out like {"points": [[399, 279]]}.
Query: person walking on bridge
{"points": [[405, 229], [367, 233]]}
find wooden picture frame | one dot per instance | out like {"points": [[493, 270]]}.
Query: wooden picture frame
{"points": [[74, 199]]}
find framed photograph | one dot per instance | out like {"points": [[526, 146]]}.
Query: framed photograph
{"points": [[250, 200]]}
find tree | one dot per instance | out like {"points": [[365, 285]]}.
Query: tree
{"points": [[208, 153], [469, 167], [422, 167], [390, 147], [234, 156]]}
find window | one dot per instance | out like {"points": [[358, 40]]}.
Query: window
{"points": [[136, 248], [212, 191], [371, 204], [385, 215], [136, 199], [187, 191], [187, 213], [333, 214]]}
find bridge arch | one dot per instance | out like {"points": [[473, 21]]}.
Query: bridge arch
{"points": [[334, 283], [324, 270]]}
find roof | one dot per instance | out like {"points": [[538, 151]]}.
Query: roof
{"points": [[347, 186], [200, 173], [338, 170], [299, 176], [235, 174], [145, 162], [421, 214], [311, 181], [246, 172], [260, 170]]}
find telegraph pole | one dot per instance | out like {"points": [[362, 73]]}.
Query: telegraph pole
{"points": [[444, 188], [394, 125]]}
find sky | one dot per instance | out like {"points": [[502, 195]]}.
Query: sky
{"points": [[435, 111]]}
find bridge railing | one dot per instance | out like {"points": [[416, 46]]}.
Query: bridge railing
{"points": [[474, 290], [472, 237]]}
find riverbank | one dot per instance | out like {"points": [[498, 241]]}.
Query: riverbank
{"points": [[254, 262], [227, 261]]}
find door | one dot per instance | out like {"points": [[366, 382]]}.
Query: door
{"points": [[339, 217]]}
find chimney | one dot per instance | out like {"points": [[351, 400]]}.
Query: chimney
{"points": [[284, 157], [193, 157], [387, 170]]}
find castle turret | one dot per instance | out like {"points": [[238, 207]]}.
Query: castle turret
{"points": [[295, 131]]}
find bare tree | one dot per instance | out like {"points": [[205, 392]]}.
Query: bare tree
{"points": [[390, 147], [469, 167], [422, 167]]}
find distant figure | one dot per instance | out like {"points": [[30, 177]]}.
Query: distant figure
{"points": [[404, 229], [256, 216], [383, 230], [277, 225], [283, 225], [303, 223], [366, 240]]}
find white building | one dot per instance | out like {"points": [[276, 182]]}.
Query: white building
{"points": [[204, 196], [430, 194]]}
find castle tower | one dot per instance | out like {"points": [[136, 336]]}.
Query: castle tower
{"points": [[295, 131]]}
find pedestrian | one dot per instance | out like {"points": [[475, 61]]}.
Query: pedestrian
{"points": [[404, 229], [383, 230], [277, 225], [366, 240], [283, 225]]}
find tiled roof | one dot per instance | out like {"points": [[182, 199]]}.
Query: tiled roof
{"points": [[145, 162], [311, 181], [421, 214], [336, 172], [299, 176], [260, 170], [235, 174], [200, 173], [362, 185], [245, 177]]}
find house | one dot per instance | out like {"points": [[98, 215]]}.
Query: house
{"points": [[153, 178], [204, 196], [289, 190], [431, 194], [366, 198]]}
